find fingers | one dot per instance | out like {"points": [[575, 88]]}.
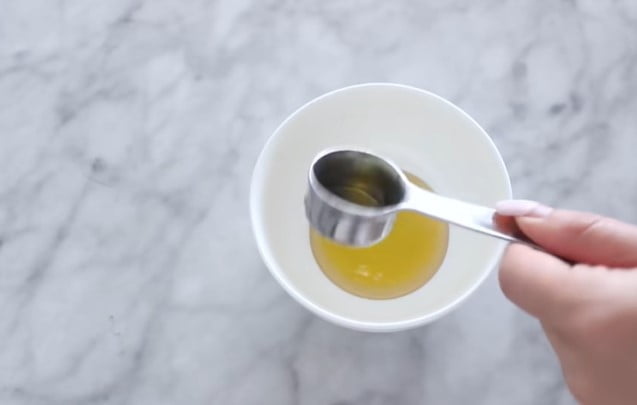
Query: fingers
{"points": [[584, 237], [576, 236], [535, 281], [542, 284], [506, 224]]}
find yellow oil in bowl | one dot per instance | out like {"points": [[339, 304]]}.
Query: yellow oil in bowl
{"points": [[401, 263]]}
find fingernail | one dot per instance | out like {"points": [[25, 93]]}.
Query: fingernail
{"points": [[522, 208]]}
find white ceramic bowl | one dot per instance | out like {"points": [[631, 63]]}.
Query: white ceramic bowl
{"points": [[425, 135]]}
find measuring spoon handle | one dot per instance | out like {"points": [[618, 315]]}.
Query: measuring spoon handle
{"points": [[467, 215]]}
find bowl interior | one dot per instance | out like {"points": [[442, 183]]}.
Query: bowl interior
{"points": [[423, 134]]}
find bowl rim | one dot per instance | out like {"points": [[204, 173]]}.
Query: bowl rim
{"points": [[262, 244]]}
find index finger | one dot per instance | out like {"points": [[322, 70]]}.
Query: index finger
{"points": [[537, 282]]}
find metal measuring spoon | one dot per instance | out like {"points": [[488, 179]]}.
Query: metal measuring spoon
{"points": [[353, 198]]}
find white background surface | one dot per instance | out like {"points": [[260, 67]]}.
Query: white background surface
{"points": [[128, 132]]}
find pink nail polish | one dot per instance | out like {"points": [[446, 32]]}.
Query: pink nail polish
{"points": [[522, 208]]}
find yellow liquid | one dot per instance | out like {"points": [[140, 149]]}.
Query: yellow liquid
{"points": [[401, 263]]}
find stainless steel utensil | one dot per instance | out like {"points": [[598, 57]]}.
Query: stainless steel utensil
{"points": [[354, 195]]}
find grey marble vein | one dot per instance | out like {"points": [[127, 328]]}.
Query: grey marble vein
{"points": [[128, 132]]}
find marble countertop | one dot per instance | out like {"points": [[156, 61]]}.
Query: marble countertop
{"points": [[128, 132]]}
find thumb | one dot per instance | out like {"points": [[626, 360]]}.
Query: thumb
{"points": [[576, 236]]}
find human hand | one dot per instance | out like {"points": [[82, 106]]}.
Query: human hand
{"points": [[588, 310]]}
